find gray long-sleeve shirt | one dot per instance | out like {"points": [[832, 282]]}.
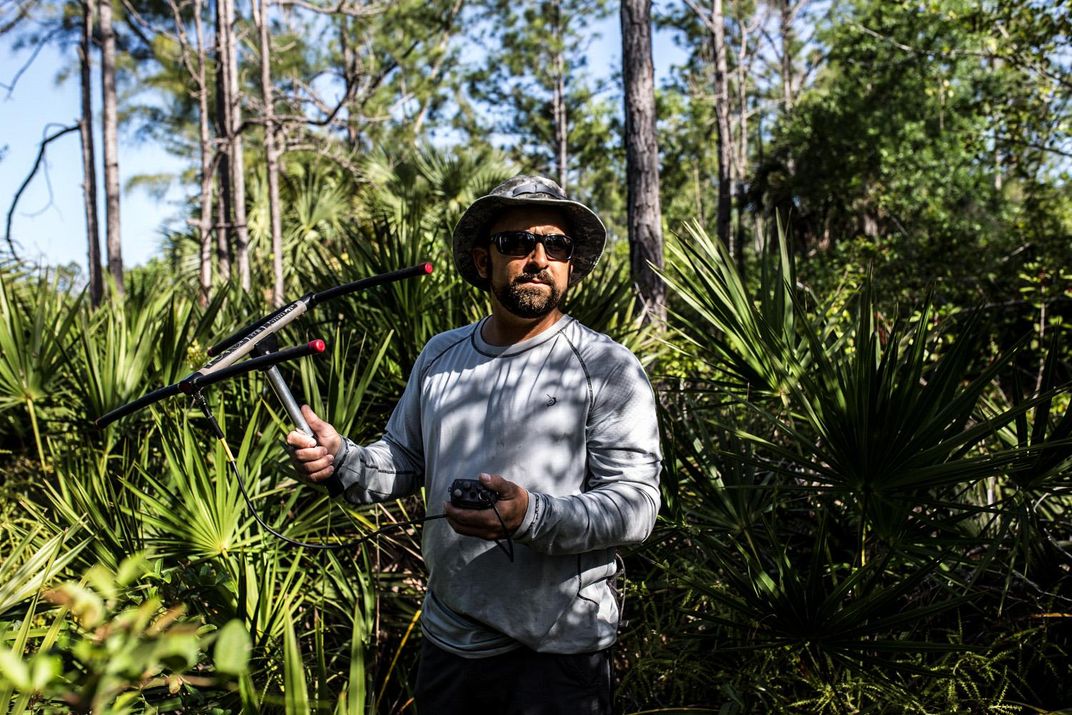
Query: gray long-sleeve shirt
{"points": [[570, 416]]}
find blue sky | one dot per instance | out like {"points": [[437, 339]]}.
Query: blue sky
{"points": [[49, 223]]}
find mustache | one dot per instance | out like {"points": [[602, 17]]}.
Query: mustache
{"points": [[543, 276]]}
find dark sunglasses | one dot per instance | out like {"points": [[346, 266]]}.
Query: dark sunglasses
{"points": [[522, 243]]}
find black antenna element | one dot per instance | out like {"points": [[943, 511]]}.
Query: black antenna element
{"points": [[193, 384], [311, 300], [241, 343]]}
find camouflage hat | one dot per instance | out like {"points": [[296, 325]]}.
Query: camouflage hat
{"points": [[587, 231]]}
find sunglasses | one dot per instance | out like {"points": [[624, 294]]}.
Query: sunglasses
{"points": [[522, 243]]}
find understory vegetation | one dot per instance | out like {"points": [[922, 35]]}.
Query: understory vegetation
{"points": [[866, 501]]}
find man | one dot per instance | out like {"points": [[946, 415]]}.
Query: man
{"points": [[556, 419]]}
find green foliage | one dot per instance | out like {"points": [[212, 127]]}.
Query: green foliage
{"points": [[112, 647], [754, 341], [34, 322], [32, 562], [860, 510], [231, 652], [298, 631], [930, 142], [294, 678], [849, 508]]}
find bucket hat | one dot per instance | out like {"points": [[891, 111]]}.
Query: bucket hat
{"points": [[587, 231]]}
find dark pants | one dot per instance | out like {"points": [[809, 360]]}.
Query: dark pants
{"points": [[521, 682]]}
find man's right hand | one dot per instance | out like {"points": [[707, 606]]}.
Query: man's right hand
{"points": [[314, 459]]}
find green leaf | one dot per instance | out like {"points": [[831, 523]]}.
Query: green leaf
{"points": [[295, 690], [43, 670], [177, 651], [14, 670], [232, 648], [84, 605], [131, 569]]}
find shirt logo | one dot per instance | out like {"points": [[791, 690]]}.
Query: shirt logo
{"points": [[551, 400]]}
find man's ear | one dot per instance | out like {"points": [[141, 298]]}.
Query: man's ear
{"points": [[480, 260]]}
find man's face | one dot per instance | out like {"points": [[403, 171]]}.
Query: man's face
{"points": [[528, 286]]}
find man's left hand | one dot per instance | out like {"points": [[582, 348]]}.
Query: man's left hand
{"points": [[482, 523]]}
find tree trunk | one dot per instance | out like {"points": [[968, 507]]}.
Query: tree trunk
{"points": [[89, 160], [349, 72], [723, 135], [111, 144], [204, 224], [260, 10], [223, 246], [740, 162], [238, 176], [642, 160], [785, 24], [559, 102], [224, 228]]}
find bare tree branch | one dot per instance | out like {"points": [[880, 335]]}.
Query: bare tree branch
{"points": [[36, 51], [701, 15], [140, 24], [298, 119], [184, 43], [323, 149], [37, 164], [1033, 145], [437, 66], [341, 8], [21, 12], [1017, 57]]}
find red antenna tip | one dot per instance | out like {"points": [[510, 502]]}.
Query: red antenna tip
{"points": [[318, 345], [428, 268]]}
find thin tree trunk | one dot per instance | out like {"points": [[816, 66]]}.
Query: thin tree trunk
{"points": [[785, 24], [349, 70], [561, 126], [740, 161], [642, 160], [224, 228], [89, 160], [223, 246], [111, 144], [992, 64], [260, 11], [723, 135], [225, 237], [238, 176], [559, 101], [196, 67], [204, 224]]}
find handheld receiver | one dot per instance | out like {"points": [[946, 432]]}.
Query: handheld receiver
{"points": [[471, 494]]}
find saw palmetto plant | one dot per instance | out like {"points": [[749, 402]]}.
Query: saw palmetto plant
{"points": [[862, 512], [853, 495]]}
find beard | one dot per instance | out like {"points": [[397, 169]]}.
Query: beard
{"points": [[525, 296]]}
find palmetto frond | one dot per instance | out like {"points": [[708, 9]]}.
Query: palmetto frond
{"points": [[826, 476]]}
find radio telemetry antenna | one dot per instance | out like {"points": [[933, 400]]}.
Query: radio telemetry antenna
{"points": [[259, 337]]}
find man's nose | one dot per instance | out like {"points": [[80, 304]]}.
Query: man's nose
{"points": [[538, 256]]}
